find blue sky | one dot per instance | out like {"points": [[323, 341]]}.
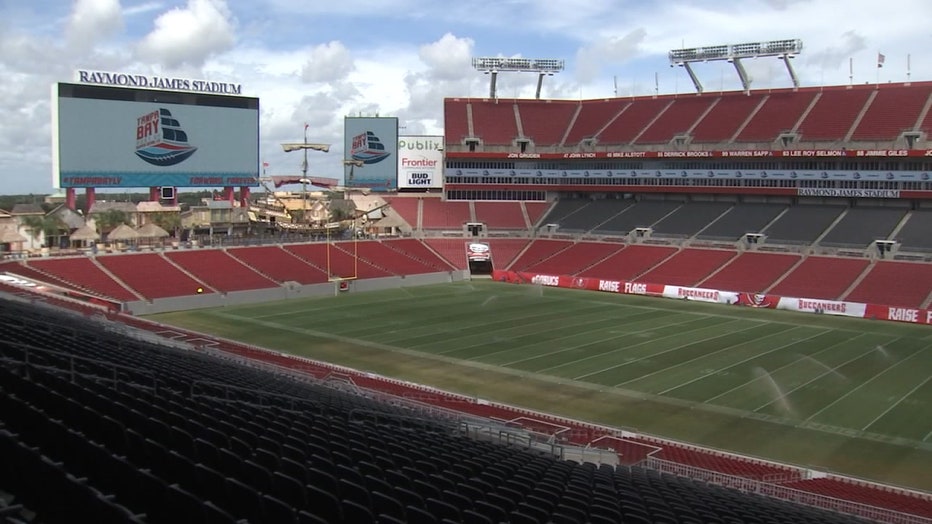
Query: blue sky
{"points": [[318, 61]]}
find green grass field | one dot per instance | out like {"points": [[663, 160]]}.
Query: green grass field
{"points": [[847, 395]]}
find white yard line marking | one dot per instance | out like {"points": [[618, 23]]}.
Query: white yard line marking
{"points": [[668, 350], [790, 364], [895, 404], [817, 377], [622, 335], [788, 344], [549, 322], [862, 384], [566, 329]]}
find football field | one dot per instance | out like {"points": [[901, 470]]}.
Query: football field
{"points": [[846, 395]]}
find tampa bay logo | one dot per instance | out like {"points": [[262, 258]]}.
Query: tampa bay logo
{"points": [[160, 140], [368, 148]]}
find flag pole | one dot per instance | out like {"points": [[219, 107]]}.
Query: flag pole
{"points": [[880, 61]]}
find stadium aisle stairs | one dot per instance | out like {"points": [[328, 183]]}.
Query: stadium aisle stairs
{"points": [[657, 264], [72, 275], [220, 270], [117, 279], [450, 250], [820, 277], [420, 251], [787, 273], [751, 271], [857, 281], [538, 251], [688, 266], [279, 264], [153, 276], [534, 212], [596, 261], [574, 259], [187, 273], [345, 255], [85, 273]]}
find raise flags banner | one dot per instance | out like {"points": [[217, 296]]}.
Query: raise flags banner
{"points": [[754, 300]]}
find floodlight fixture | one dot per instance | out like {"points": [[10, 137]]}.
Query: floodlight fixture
{"points": [[734, 53], [492, 65]]}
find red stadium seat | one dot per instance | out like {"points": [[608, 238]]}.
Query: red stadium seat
{"points": [[152, 275], [219, 270], [494, 121]]}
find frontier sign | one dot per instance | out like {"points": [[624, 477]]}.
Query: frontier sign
{"points": [[157, 82]]}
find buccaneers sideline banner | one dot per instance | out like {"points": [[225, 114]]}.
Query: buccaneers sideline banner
{"points": [[756, 300]]}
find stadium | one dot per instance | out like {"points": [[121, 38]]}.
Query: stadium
{"points": [[506, 355]]}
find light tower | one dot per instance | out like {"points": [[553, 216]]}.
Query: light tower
{"points": [[782, 49], [491, 65], [304, 146]]}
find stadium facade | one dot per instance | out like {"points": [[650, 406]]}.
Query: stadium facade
{"points": [[860, 142], [681, 196]]}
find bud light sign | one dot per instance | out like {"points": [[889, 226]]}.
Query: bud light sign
{"points": [[420, 162]]}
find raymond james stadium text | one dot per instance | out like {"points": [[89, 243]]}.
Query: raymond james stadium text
{"points": [[158, 82]]}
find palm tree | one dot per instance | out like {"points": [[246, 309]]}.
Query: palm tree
{"points": [[110, 219], [170, 222], [44, 226]]}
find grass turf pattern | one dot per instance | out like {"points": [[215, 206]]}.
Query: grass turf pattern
{"points": [[848, 395]]}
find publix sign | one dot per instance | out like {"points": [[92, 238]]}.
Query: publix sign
{"points": [[420, 162]]}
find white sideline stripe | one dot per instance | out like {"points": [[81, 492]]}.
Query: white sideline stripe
{"points": [[895, 404], [819, 376], [668, 350], [731, 347], [866, 382], [577, 346], [788, 364], [929, 434]]}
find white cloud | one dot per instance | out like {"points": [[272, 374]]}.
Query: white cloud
{"points": [[140, 9], [189, 35], [92, 21], [328, 62], [833, 57], [590, 60], [448, 58], [319, 61]]}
